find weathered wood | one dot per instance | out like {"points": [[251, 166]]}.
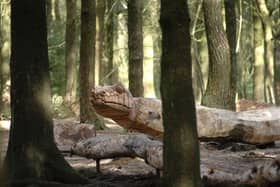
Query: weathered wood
{"points": [[253, 167], [133, 145], [257, 126], [260, 126], [67, 133]]}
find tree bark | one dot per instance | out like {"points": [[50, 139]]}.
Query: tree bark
{"points": [[2, 81], [106, 68], [258, 76], [219, 74], [231, 36], [87, 49], [178, 108], [135, 47], [71, 51], [245, 58], [275, 13], [156, 47], [4, 54], [100, 18], [31, 134], [268, 54]]}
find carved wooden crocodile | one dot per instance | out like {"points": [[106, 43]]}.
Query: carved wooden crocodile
{"points": [[144, 115]]}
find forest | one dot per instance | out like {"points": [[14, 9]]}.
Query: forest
{"points": [[181, 93]]}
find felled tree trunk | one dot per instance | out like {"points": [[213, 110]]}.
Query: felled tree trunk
{"points": [[145, 115], [257, 127], [218, 167]]}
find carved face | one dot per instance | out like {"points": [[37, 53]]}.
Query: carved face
{"points": [[114, 96]]}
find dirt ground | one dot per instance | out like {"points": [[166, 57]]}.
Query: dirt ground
{"points": [[119, 172]]}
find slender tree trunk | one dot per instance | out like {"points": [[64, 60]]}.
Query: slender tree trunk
{"points": [[57, 11], [268, 54], [115, 33], [156, 63], [71, 51], [231, 36], [106, 67], [2, 81], [277, 69], [4, 54], [156, 47], [49, 14], [179, 118], [100, 18], [219, 74], [87, 49], [135, 47], [32, 153], [197, 50], [245, 49], [275, 12], [258, 75]]}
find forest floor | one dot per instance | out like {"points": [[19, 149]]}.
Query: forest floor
{"points": [[134, 172], [118, 172]]}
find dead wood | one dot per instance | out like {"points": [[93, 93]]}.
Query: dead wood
{"points": [[253, 167]]}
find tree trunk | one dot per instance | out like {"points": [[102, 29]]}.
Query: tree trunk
{"points": [[156, 63], [197, 50], [258, 75], [106, 67], [276, 50], [2, 81], [31, 134], [49, 13], [114, 32], [57, 11], [135, 47], [156, 46], [4, 54], [268, 56], [179, 118], [71, 51], [245, 49], [219, 74], [231, 36], [100, 17], [87, 49]]}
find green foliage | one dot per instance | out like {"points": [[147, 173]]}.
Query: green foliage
{"points": [[56, 41], [60, 109]]}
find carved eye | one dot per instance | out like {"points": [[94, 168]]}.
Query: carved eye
{"points": [[119, 88]]}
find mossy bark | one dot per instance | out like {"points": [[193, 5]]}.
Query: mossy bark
{"points": [[259, 71], [179, 118], [32, 153], [231, 36], [71, 51], [87, 50], [135, 47]]}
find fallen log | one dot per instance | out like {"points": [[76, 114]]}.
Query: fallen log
{"points": [[69, 132], [144, 115], [255, 167], [257, 126]]}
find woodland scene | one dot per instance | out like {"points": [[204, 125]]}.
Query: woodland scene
{"points": [[139, 93]]}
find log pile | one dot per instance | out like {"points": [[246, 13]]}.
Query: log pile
{"points": [[218, 167]]}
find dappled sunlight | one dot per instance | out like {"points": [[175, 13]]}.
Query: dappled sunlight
{"points": [[5, 125]]}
